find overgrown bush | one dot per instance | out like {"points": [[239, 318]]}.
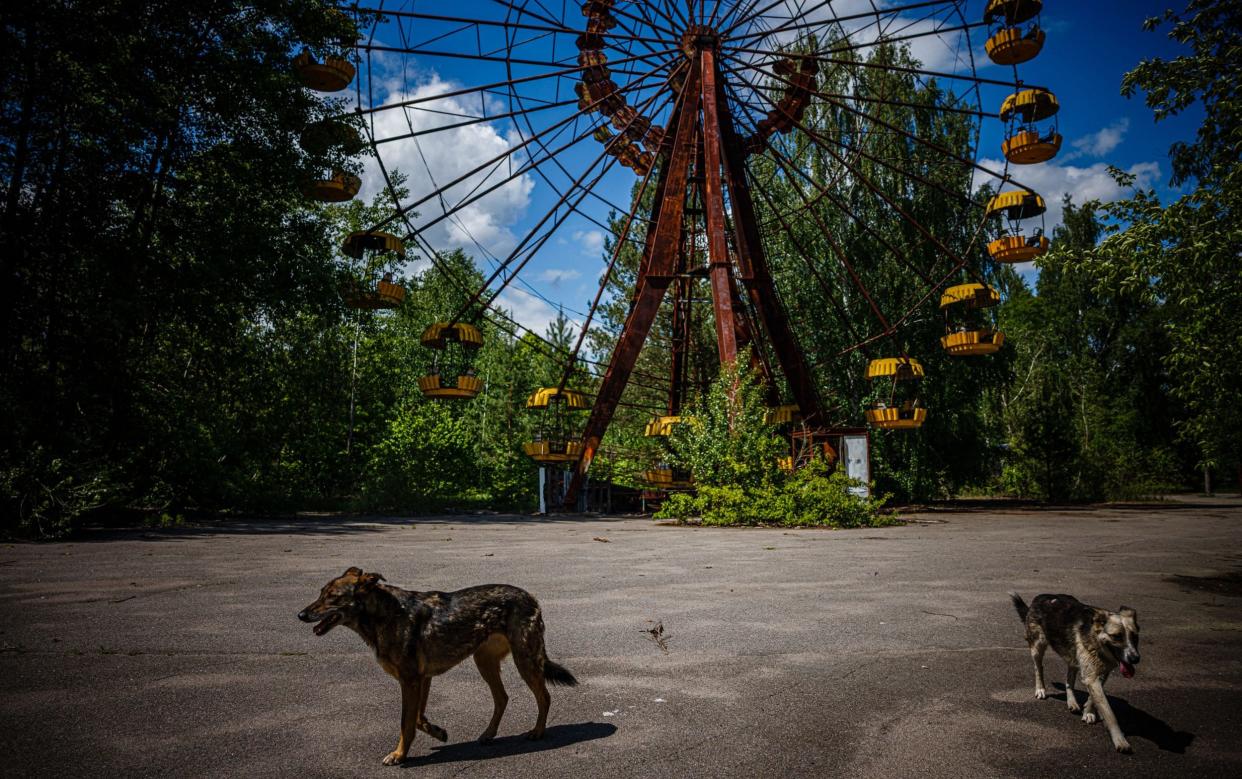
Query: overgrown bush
{"points": [[46, 495], [815, 496], [732, 453]]}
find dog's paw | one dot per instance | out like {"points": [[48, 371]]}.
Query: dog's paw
{"points": [[1041, 693], [487, 736], [1073, 705], [436, 732], [535, 734], [394, 758], [1089, 717], [1123, 747]]}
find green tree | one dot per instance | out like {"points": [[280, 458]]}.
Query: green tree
{"points": [[1184, 257], [1087, 415], [152, 217]]}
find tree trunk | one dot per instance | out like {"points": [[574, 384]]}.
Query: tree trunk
{"points": [[1207, 480]]}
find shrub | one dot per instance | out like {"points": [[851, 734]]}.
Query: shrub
{"points": [[732, 453], [815, 496]]}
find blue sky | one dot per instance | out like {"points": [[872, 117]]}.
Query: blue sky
{"points": [[1090, 46]]}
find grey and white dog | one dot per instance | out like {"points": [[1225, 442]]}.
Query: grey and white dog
{"points": [[1092, 641]]}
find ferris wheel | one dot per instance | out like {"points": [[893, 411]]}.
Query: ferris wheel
{"points": [[703, 137]]}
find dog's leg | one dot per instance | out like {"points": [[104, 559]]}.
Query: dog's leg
{"points": [[1088, 711], [488, 662], [411, 704], [532, 674], [1037, 657], [1101, 704], [1071, 699], [435, 731]]}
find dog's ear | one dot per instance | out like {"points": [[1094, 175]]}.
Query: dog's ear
{"points": [[1126, 611], [369, 580], [353, 570]]}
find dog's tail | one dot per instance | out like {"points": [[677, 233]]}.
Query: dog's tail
{"points": [[558, 674], [1019, 605]]}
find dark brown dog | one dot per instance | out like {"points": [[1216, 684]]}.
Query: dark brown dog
{"points": [[1092, 641], [418, 635]]}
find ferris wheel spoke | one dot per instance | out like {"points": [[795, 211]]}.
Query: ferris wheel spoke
{"points": [[508, 153], [470, 120], [555, 159], [750, 15], [494, 86], [525, 9], [820, 140], [1001, 176], [881, 41], [463, 55], [910, 312], [826, 145], [468, 24], [549, 215], [789, 233], [892, 13], [512, 327], [820, 57], [620, 242], [644, 19], [793, 170]]}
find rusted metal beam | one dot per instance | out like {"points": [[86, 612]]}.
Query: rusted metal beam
{"points": [[755, 276], [719, 263], [657, 271]]}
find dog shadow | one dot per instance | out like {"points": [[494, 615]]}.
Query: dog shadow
{"points": [[1138, 723], [555, 737]]}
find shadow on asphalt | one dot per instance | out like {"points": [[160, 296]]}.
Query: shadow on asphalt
{"points": [[554, 737], [1137, 723]]}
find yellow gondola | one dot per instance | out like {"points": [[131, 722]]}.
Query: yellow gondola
{"points": [[556, 429], [666, 477], [358, 244], [456, 345], [332, 135], [386, 293], [903, 410], [339, 188], [782, 415], [331, 75], [966, 331], [1013, 245], [1030, 143], [661, 427], [1009, 43]]}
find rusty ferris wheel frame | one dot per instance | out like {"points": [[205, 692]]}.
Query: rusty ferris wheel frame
{"points": [[670, 90]]}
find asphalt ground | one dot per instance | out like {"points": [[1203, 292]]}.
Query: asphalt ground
{"points": [[862, 653]]}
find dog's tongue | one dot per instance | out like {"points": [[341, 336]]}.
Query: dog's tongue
{"points": [[1127, 670]]}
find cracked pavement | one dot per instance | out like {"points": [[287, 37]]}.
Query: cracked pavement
{"points": [[876, 652]]}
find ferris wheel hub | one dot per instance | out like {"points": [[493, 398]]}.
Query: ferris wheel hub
{"points": [[699, 37]]}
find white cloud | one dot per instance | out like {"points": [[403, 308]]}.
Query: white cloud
{"points": [[529, 311], [555, 276], [1103, 142], [945, 51], [1053, 182], [435, 159], [590, 241]]}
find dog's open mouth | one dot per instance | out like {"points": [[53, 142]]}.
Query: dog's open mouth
{"points": [[327, 623], [1127, 670]]}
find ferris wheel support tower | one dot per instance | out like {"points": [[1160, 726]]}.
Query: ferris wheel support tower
{"points": [[701, 121]]}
